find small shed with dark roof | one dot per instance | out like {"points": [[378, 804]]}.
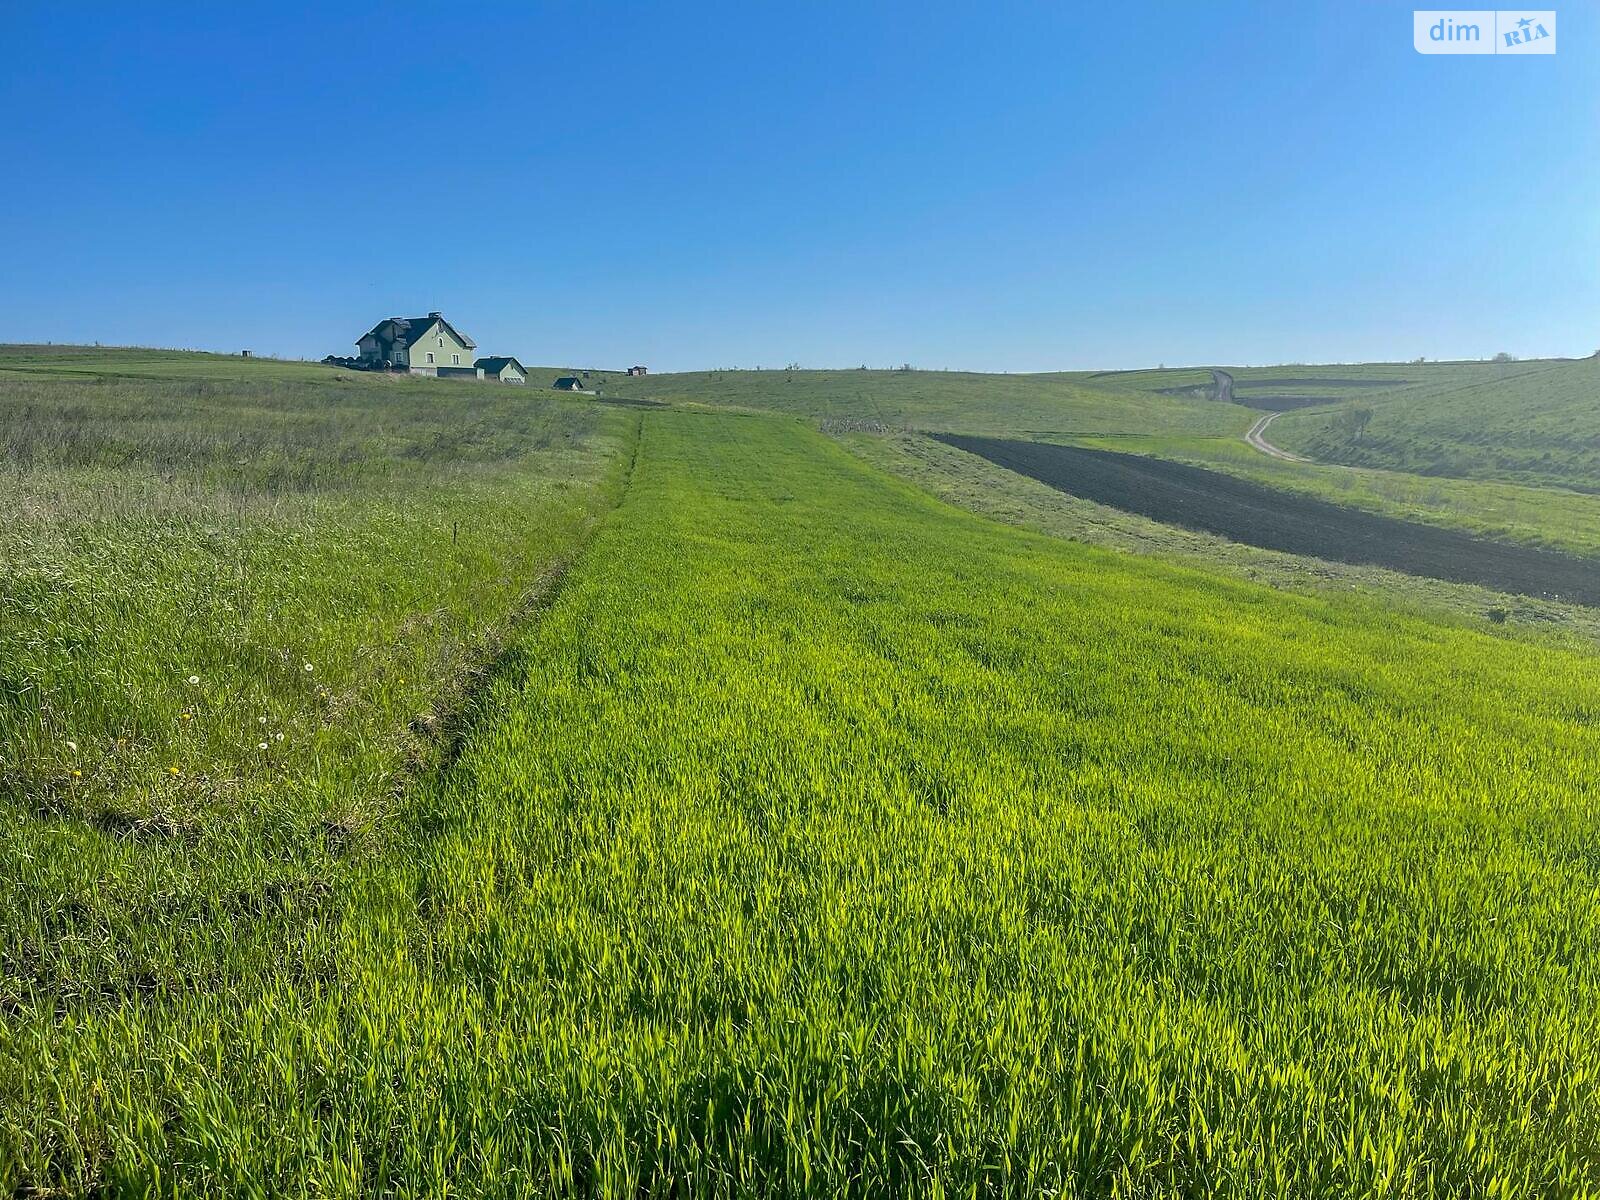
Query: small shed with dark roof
{"points": [[568, 383], [503, 368]]}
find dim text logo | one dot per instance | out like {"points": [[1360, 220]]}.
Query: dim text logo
{"points": [[1483, 31]]}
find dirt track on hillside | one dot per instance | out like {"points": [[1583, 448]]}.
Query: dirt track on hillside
{"points": [[1257, 438], [1241, 511]]}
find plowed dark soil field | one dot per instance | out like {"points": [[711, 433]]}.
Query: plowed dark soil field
{"points": [[1194, 498], [1280, 403]]}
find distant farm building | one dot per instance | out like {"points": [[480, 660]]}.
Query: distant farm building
{"points": [[638, 371], [427, 345], [568, 383], [506, 370]]}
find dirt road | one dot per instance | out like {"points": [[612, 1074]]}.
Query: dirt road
{"points": [[1257, 439]]}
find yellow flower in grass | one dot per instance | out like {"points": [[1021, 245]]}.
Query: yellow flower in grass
{"points": [[77, 774], [174, 771], [185, 716]]}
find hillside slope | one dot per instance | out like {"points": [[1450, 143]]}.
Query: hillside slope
{"points": [[1534, 423], [822, 836], [1024, 405]]}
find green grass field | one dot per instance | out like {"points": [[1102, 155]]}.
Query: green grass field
{"points": [[1533, 423], [1166, 413], [974, 483], [678, 803], [1026, 405], [241, 608]]}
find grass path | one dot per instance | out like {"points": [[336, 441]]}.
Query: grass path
{"points": [[823, 839]]}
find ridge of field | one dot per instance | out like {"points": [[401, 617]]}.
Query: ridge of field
{"points": [[821, 838], [66, 361], [979, 486], [1341, 381], [1166, 413], [1534, 423], [1022, 405], [1160, 411]]}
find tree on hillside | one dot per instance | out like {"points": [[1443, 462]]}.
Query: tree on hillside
{"points": [[1505, 356], [1353, 422]]}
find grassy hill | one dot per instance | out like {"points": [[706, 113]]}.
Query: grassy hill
{"points": [[1172, 413], [1535, 423], [245, 552], [1029, 405], [413, 784], [821, 836]]}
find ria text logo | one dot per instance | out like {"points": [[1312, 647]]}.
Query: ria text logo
{"points": [[1484, 31]]}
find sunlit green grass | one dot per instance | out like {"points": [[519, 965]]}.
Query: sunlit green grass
{"points": [[972, 482], [1532, 423], [822, 839], [1026, 405], [236, 617], [1164, 412]]}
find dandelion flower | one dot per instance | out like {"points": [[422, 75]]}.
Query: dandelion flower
{"points": [[194, 679], [309, 667], [278, 736], [261, 745], [77, 774], [185, 716], [263, 720], [174, 771]]}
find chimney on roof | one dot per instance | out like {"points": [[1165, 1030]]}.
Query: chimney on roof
{"points": [[433, 314]]}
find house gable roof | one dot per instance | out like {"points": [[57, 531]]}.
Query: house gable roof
{"points": [[568, 381], [497, 363], [408, 331]]}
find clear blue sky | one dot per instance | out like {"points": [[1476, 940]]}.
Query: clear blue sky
{"points": [[996, 186]]}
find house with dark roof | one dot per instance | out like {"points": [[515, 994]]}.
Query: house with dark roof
{"points": [[427, 345], [568, 383], [505, 369]]}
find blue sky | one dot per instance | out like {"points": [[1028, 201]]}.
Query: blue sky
{"points": [[992, 187]]}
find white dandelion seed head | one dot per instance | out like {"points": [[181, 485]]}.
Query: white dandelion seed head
{"points": [[278, 736], [194, 679], [308, 667], [263, 720], [73, 746], [261, 745]]}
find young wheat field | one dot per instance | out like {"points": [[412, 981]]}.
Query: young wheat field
{"points": [[672, 802]]}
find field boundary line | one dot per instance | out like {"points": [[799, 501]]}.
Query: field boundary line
{"points": [[445, 733]]}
